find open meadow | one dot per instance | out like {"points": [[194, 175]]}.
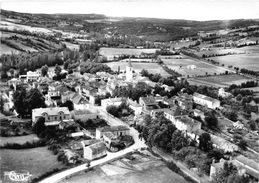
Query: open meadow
{"points": [[36, 161], [190, 67], [219, 80], [153, 68]]}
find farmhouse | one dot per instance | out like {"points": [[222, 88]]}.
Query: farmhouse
{"points": [[206, 101], [115, 130], [223, 144], [181, 121], [52, 115], [94, 151], [30, 76]]}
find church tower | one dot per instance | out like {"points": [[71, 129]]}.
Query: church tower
{"points": [[129, 71]]}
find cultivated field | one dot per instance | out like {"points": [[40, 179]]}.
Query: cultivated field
{"points": [[219, 80], [36, 160], [188, 66], [13, 26], [247, 61], [139, 169], [153, 68]]}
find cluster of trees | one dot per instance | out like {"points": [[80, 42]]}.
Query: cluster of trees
{"points": [[158, 78], [250, 72], [92, 123], [91, 67], [120, 111], [140, 89], [172, 72], [247, 84], [229, 174], [160, 132], [25, 101], [25, 62]]}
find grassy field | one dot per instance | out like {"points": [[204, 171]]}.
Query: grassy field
{"points": [[219, 80], [18, 139], [247, 61], [36, 160], [151, 67], [181, 66]]}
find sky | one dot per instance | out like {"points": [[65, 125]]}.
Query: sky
{"points": [[171, 9]]}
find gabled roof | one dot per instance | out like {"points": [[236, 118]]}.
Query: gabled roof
{"points": [[97, 147], [198, 95]]}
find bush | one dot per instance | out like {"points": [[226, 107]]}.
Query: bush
{"points": [[26, 145]]}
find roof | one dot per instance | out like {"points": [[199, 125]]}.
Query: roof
{"points": [[97, 147], [176, 111], [78, 99], [52, 111], [113, 128], [187, 120], [198, 95], [89, 142], [149, 100]]}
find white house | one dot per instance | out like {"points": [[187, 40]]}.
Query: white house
{"points": [[137, 108], [206, 101], [223, 144], [94, 151], [111, 101], [52, 115], [115, 130], [30, 76], [223, 94]]}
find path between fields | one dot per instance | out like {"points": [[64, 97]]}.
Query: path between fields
{"points": [[168, 157], [110, 156]]}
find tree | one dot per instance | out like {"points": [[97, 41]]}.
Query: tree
{"points": [[34, 99], [211, 120], [205, 143], [69, 104], [242, 144], [39, 126], [44, 70], [57, 70], [18, 98], [113, 110]]}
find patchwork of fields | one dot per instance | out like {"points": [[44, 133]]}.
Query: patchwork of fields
{"points": [[153, 68]]}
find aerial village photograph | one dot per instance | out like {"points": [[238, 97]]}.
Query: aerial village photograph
{"points": [[129, 91]]}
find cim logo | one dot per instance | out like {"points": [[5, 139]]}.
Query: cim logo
{"points": [[17, 176]]}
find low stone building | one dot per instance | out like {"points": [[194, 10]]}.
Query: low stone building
{"points": [[94, 151]]}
